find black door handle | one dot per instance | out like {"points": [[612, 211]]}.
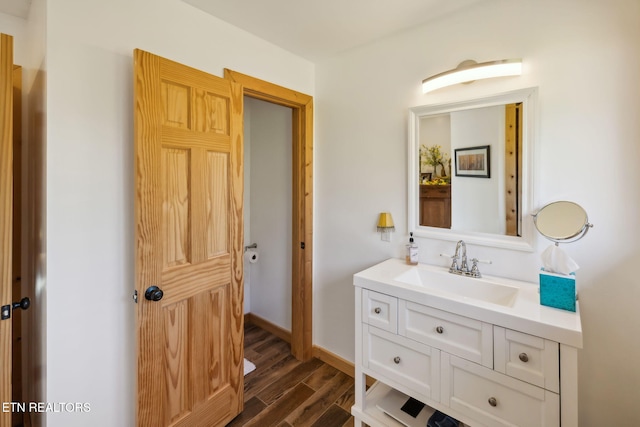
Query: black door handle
{"points": [[24, 304], [5, 310], [153, 293]]}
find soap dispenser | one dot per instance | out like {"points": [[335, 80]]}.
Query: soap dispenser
{"points": [[412, 251]]}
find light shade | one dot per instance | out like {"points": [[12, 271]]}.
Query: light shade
{"points": [[470, 70], [385, 222]]}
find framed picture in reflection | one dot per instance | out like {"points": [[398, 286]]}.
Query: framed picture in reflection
{"points": [[473, 162]]}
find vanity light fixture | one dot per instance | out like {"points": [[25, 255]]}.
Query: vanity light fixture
{"points": [[385, 226], [469, 71]]}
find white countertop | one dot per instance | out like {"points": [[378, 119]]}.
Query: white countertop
{"points": [[525, 314]]}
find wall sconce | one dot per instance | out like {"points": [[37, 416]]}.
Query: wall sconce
{"points": [[469, 71], [385, 226]]}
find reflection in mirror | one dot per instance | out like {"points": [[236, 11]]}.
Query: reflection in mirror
{"points": [[470, 170], [562, 221]]}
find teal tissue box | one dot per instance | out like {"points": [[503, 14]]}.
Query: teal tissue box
{"points": [[558, 290]]}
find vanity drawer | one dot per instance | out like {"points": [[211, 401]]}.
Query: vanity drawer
{"points": [[494, 399], [380, 310], [527, 357], [409, 363], [435, 191], [458, 335]]}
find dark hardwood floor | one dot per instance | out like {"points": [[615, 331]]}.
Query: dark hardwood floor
{"points": [[284, 392]]}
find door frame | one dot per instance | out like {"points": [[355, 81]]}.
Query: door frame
{"points": [[302, 201], [6, 218]]}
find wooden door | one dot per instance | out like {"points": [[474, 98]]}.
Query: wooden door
{"points": [[189, 243], [6, 214]]}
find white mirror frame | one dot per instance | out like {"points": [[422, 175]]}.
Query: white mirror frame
{"points": [[528, 98]]}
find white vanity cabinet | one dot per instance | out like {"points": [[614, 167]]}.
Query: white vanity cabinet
{"points": [[476, 368]]}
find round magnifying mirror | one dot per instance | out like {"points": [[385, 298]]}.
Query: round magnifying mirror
{"points": [[562, 221]]}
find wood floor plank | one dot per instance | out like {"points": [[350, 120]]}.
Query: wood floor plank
{"points": [[320, 377], [252, 407], [349, 423], [254, 336], [274, 352], [276, 389], [284, 392], [278, 411], [334, 416], [348, 398], [262, 379], [314, 407]]}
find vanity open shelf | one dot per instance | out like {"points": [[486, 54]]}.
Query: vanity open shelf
{"points": [[483, 360]]}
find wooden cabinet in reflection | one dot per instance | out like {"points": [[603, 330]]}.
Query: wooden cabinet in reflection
{"points": [[435, 205]]}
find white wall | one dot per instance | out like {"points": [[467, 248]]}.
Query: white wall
{"points": [[477, 204], [584, 57], [90, 222], [270, 211]]}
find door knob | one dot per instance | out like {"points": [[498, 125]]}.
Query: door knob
{"points": [[5, 310], [24, 304], [153, 293]]}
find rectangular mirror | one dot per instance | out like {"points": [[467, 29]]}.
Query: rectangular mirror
{"points": [[471, 170]]}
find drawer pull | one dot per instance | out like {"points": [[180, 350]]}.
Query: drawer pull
{"points": [[439, 329], [493, 401], [396, 360], [377, 310], [523, 357]]}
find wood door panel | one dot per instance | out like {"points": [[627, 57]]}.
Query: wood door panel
{"points": [[176, 213], [210, 329], [195, 330], [176, 335], [211, 113], [217, 201], [176, 99], [189, 232]]}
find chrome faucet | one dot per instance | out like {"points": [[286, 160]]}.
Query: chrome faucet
{"points": [[463, 268]]}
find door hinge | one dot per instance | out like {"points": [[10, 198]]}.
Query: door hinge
{"points": [[301, 245], [135, 296]]}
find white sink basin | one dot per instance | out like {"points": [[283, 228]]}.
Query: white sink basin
{"points": [[466, 287]]}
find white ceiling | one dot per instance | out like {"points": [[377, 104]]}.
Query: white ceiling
{"points": [[19, 8], [310, 28], [319, 29]]}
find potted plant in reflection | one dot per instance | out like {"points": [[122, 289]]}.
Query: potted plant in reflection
{"points": [[434, 157]]}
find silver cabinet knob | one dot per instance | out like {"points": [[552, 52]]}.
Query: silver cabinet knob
{"points": [[493, 401], [396, 360], [439, 329], [523, 357], [377, 310]]}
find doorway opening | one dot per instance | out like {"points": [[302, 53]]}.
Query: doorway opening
{"points": [[301, 202]]}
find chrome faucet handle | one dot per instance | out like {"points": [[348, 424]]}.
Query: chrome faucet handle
{"points": [[454, 261], [475, 272], [483, 261], [450, 256]]}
